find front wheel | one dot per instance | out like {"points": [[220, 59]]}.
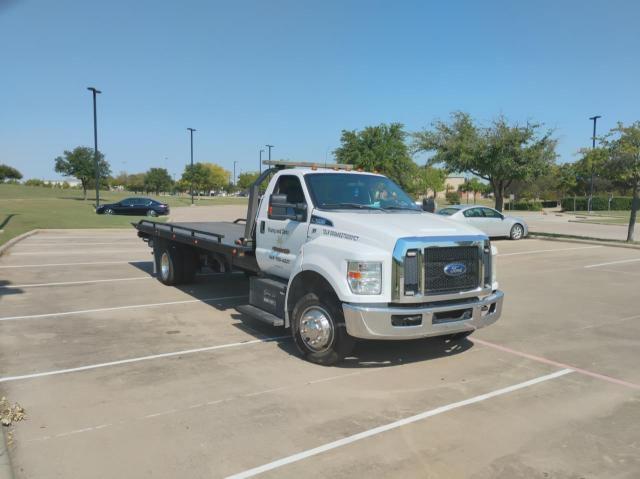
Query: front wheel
{"points": [[318, 329], [517, 232], [108, 211], [152, 213]]}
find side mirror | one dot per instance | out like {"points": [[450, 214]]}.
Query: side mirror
{"points": [[281, 209]]}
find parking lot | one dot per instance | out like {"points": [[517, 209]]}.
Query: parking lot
{"points": [[121, 376]]}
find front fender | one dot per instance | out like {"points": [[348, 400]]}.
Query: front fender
{"points": [[328, 257]]}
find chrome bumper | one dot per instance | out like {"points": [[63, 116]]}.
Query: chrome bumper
{"points": [[375, 322]]}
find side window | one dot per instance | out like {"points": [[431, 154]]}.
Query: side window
{"points": [[473, 213], [489, 213], [127, 202], [290, 187]]}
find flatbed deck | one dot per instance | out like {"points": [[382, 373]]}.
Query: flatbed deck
{"points": [[221, 237]]}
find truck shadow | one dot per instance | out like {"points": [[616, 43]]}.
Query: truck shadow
{"points": [[225, 292], [7, 289], [378, 354]]}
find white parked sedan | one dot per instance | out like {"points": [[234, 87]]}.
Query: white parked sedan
{"points": [[489, 221]]}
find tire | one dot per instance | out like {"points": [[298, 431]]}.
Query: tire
{"points": [[169, 265], [108, 211], [152, 213], [517, 232], [318, 329]]}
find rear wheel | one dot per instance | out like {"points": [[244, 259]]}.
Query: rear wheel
{"points": [[318, 329], [517, 232], [169, 266]]}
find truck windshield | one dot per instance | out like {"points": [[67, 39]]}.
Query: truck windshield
{"points": [[357, 191]]}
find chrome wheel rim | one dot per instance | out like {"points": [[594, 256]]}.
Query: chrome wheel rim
{"points": [[316, 329], [164, 265], [517, 232], [151, 213], [108, 211]]}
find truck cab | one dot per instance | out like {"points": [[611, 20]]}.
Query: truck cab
{"points": [[340, 254]]}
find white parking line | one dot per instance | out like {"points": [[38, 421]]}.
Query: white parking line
{"points": [[142, 358], [548, 250], [38, 285], [90, 281], [40, 265], [635, 260], [67, 244], [118, 308], [70, 253], [394, 425]]}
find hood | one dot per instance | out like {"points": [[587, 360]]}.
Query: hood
{"points": [[383, 229]]}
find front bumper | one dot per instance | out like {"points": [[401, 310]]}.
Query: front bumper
{"points": [[375, 322]]}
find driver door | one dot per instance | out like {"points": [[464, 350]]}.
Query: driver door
{"points": [[279, 240]]}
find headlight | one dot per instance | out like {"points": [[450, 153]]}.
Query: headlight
{"points": [[364, 277]]}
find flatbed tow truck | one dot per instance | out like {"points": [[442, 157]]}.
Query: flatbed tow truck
{"points": [[336, 254]]}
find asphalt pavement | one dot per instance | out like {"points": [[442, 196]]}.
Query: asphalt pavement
{"points": [[121, 376]]}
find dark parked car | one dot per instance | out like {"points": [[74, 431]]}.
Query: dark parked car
{"points": [[134, 206]]}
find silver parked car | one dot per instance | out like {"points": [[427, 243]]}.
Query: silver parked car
{"points": [[491, 222]]}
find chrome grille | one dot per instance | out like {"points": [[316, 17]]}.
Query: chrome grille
{"points": [[436, 260], [419, 263]]}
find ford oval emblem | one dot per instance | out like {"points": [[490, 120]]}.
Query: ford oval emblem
{"points": [[455, 269]]}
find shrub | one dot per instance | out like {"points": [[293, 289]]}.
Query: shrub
{"points": [[526, 206], [453, 198], [34, 182], [599, 203]]}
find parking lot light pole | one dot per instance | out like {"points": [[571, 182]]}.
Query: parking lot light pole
{"points": [[593, 146], [95, 143], [269, 146], [234, 172], [260, 162], [191, 130]]}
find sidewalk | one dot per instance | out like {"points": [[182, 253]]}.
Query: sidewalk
{"points": [[561, 223]]}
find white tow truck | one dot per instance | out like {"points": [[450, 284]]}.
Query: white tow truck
{"points": [[336, 254]]}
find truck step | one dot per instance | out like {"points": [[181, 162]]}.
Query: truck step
{"points": [[260, 315]]}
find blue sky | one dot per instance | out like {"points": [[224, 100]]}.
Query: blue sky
{"points": [[295, 73]]}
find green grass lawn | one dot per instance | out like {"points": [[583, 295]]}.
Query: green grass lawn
{"points": [[23, 208]]}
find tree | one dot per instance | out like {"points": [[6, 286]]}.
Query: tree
{"points": [[473, 186], [429, 178], [80, 164], [500, 153], [9, 173], [135, 182], [246, 179], [218, 177], [205, 177], [379, 148], [623, 165], [590, 166], [157, 180]]}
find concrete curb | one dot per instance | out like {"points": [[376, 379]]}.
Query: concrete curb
{"points": [[15, 240], [6, 472], [561, 239]]}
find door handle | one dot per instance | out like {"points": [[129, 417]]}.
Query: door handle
{"points": [[262, 227]]}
